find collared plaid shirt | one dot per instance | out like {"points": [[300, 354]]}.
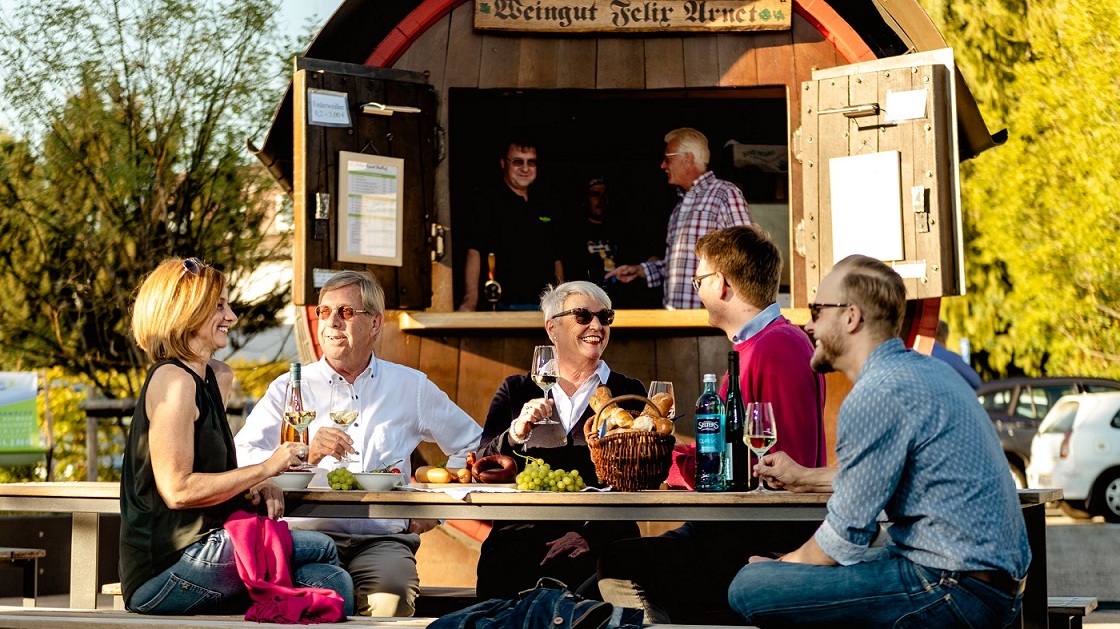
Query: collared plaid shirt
{"points": [[710, 204]]}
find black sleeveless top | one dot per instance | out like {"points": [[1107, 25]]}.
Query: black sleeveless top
{"points": [[152, 534]]}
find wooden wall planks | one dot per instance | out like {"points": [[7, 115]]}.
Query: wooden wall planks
{"points": [[470, 368]]}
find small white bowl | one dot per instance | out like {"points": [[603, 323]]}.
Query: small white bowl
{"points": [[377, 481], [293, 481]]}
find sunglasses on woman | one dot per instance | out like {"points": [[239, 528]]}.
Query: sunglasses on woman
{"points": [[192, 266], [583, 315]]}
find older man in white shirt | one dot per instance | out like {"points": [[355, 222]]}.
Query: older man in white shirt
{"points": [[399, 408]]}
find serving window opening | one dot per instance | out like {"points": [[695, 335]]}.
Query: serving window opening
{"points": [[617, 136]]}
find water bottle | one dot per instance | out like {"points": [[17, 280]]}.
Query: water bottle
{"points": [[710, 439]]}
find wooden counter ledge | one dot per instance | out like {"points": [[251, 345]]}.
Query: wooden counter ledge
{"points": [[465, 322]]}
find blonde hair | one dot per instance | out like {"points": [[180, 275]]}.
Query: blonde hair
{"points": [[691, 141], [172, 304]]}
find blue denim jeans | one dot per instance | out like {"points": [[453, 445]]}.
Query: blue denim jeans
{"points": [[205, 579], [550, 604], [895, 593]]}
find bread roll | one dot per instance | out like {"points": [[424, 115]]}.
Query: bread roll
{"points": [[651, 410], [643, 422], [664, 403], [619, 418], [600, 397]]}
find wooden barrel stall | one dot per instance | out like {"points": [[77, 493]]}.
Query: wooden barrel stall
{"points": [[820, 86]]}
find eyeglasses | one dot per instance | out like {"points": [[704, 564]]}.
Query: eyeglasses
{"points": [[815, 309], [583, 315], [346, 312], [192, 266], [697, 280], [517, 162], [668, 155]]}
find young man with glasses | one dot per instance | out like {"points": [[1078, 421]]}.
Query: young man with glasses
{"points": [[399, 407], [912, 443], [738, 275], [517, 228], [706, 204]]}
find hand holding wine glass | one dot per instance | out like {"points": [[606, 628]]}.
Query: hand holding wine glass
{"points": [[760, 433], [344, 410], [545, 373]]}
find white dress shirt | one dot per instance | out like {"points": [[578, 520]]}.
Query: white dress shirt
{"points": [[399, 407], [570, 409]]}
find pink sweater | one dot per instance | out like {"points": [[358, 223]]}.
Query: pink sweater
{"points": [[262, 548]]}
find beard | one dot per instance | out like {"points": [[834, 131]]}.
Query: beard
{"points": [[827, 350]]}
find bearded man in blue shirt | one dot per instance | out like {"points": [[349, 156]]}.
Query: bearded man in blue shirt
{"points": [[911, 443]]}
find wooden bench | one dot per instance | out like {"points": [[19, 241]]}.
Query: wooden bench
{"points": [[432, 602], [64, 618], [28, 559], [440, 601], [1067, 611]]}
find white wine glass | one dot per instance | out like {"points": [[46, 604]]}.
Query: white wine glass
{"points": [[545, 373], [344, 410], [662, 386], [760, 434], [299, 417]]}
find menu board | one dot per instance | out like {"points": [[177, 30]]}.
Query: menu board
{"points": [[370, 212]]}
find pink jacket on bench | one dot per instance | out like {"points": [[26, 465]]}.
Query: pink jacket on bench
{"points": [[261, 548]]}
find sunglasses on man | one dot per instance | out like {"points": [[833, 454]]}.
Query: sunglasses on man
{"points": [[583, 315], [346, 312], [815, 309]]}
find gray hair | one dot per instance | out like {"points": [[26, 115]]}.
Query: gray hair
{"points": [[553, 297], [373, 296], [691, 141]]}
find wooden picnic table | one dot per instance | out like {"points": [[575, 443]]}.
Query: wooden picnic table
{"points": [[87, 500]]}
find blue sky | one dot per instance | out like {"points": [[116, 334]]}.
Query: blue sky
{"points": [[296, 12]]}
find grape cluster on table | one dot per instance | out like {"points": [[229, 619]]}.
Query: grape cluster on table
{"points": [[539, 476], [342, 479]]}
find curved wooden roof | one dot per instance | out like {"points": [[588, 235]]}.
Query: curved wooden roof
{"points": [[378, 32]]}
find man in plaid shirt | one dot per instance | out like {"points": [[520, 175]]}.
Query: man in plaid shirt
{"points": [[706, 204]]}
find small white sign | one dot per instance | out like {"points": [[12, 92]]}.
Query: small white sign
{"points": [[328, 109], [908, 105], [866, 195], [320, 276]]}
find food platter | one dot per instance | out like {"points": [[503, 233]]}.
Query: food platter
{"points": [[456, 485]]}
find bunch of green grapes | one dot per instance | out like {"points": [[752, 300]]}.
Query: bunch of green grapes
{"points": [[539, 476], [342, 478]]}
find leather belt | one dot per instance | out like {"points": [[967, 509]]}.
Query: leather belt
{"points": [[1000, 580]]}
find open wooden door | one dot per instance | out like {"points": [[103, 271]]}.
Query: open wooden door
{"points": [[878, 147], [344, 114]]}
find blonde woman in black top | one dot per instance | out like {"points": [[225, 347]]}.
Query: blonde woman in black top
{"points": [[180, 479]]}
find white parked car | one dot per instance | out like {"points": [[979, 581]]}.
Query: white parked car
{"points": [[1077, 448]]}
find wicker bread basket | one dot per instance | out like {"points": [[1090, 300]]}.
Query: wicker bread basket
{"points": [[631, 460]]}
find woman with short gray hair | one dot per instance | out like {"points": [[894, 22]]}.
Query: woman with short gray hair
{"points": [[577, 319]]}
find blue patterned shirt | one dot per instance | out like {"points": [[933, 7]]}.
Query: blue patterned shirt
{"points": [[913, 441]]}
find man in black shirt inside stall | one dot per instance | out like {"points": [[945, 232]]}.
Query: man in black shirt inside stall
{"points": [[518, 229]]}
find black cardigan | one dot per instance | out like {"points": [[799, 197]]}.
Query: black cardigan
{"points": [[513, 393]]}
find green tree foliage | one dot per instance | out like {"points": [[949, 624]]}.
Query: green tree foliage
{"points": [[127, 145], [1041, 223]]}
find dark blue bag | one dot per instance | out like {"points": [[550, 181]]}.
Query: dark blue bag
{"points": [[550, 604]]}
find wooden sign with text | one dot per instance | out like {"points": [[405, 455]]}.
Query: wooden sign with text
{"points": [[583, 16]]}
